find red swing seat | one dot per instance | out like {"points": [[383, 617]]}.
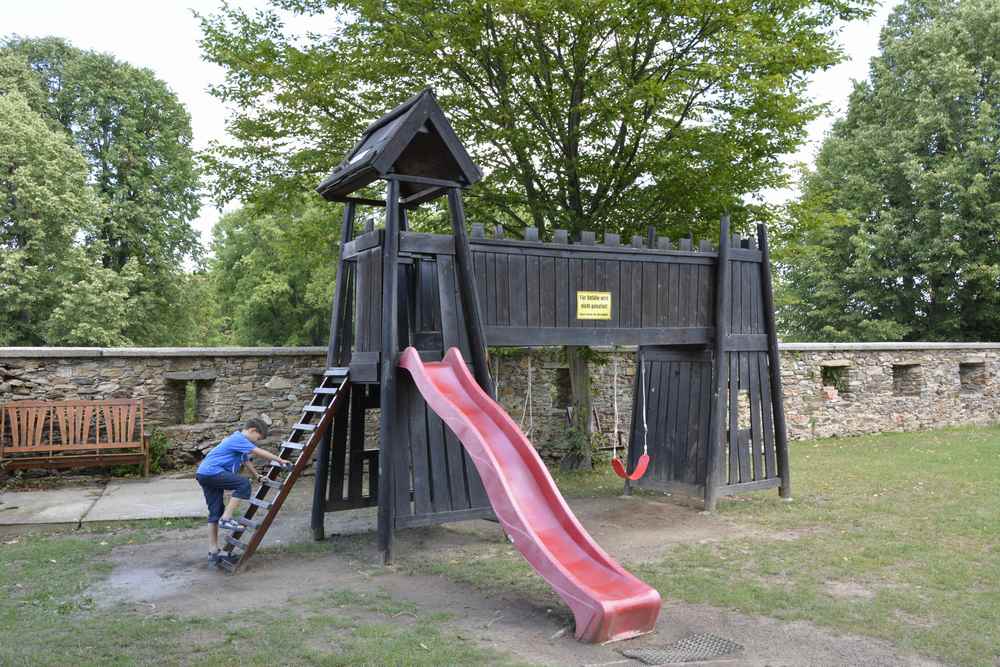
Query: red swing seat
{"points": [[640, 468]]}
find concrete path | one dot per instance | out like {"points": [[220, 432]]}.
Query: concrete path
{"points": [[156, 498]]}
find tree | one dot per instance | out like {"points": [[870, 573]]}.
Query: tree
{"points": [[273, 273], [608, 116], [895, 236], [136, 139], [55, 289]]}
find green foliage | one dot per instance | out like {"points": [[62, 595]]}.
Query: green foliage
{"points": [[190, 403], [274, 271], [158, 446], [135, 139], [56, 290], [894, 237], [608, 116]]}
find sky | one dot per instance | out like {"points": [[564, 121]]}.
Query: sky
{"points": [[163, 36]]}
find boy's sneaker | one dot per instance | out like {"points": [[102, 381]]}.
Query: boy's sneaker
{"points": [[213, 557], [229, 524]]}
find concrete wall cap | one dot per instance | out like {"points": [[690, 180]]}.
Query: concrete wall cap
{"points": [[29, 352], [868, 347]]}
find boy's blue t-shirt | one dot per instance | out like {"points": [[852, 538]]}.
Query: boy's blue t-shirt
{"points": [[227, 456]]}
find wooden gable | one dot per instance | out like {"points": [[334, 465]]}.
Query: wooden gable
{"points": [[414, 139]]}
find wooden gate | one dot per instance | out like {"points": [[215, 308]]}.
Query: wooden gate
{"points": [[672, 405]]}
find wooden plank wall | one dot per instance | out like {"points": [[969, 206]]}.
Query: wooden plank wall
{"points": [[527, 290], [677, 387], [749, 427], [436, 480], [678, 395]]}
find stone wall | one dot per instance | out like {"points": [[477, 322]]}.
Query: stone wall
{"points": [[830, 389], [232, 385]]}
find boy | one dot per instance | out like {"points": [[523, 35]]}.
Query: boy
{"points": [[217, 473]]}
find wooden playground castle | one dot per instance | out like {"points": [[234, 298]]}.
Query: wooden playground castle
{"points": [[411, 309], [708, 355]]}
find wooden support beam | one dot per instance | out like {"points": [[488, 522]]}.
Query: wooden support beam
{"points": [[467, 291], [714, 460], [777, 397], [388, 371]]}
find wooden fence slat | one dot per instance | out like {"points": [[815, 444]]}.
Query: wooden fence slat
{"points": [[681, 421], [402, 455], [518, 293], [532, 291], [756, 426], [420, 456], [763, 374], [734, 379], [438, 452], [563, 293], [356, 446]]}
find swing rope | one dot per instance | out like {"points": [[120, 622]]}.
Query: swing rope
{"points": [[643, 463], [529, 404]]}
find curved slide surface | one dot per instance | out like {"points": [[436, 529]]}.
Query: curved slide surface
{"points": [[608, 602]]}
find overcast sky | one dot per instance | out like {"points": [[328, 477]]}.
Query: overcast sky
{"points": [[163, 36]]}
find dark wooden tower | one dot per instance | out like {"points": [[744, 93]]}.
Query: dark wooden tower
{"points": [[702, 318]]}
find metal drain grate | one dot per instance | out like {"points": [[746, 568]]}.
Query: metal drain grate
{"points": [[702, 646]]}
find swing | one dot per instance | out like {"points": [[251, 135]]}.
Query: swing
{"points": [[643, 463]]}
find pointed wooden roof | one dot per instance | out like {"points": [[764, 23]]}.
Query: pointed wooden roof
{"points": [[414, 139]]}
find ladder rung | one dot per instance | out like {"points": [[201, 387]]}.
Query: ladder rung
{"points": [[314, 408], [325, 390], [236, 543], [275, 464], [273, 483], [260, 503], [293, 445], [249, 523], [304, 427], [336, 372], [227, 564]]}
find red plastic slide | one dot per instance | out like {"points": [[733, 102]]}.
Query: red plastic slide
{"points": [[608, 603]]}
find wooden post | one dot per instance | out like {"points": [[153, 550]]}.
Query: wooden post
{"points": [[388, 371], [774, 364], [470, 296], [579, 378], [713, 473], [336, 354]]}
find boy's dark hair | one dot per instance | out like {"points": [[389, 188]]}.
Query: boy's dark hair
{"points": [[259, 424]]}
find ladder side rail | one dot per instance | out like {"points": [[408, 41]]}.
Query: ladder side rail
{"points": [[315, 437]]}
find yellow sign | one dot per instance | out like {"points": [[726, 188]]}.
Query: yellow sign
{"points": [[593, 305]]}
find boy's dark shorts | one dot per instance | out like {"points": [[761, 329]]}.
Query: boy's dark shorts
{"points": [[214, 485]]}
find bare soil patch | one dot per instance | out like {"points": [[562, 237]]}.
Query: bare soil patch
{"points": [[172, 577]]}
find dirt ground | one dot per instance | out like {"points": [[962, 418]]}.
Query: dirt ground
{"points": [[171, 577]]}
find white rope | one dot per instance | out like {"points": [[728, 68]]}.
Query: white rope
{"points": [[614, 435], [642, 388], [528, 409]]}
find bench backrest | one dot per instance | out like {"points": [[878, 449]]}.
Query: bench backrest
{"points": [[36, 427]]}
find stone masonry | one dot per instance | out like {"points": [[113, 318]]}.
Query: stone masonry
{"points": [[830, 389]]}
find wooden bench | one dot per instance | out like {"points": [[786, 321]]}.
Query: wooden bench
{"points": [[72, 434]]}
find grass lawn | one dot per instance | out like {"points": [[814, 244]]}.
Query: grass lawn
{"points": [[895, 536], [46, 618]]}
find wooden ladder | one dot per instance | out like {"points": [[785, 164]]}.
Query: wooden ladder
{"points": [[298, 448]]}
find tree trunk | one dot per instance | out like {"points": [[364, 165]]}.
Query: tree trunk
{"points": [[579, 377]]}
